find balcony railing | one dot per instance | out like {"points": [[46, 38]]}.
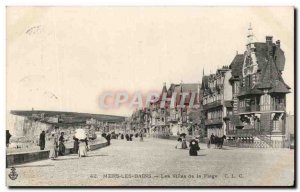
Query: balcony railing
{"points": [[212, 104], [231, 132], [253, 108], [213, 121], [250, 108], [278, 107]]}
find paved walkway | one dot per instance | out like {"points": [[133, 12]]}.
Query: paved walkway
{"points": [[156, 162]]}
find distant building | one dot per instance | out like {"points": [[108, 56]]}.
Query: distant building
{"points": [[174, 118]]}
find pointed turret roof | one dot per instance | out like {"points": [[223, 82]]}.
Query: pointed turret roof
{"points": [[272, 79]]}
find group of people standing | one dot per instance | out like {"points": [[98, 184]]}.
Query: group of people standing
{"points": [[193, 145], [129, 137], [57, 144]]}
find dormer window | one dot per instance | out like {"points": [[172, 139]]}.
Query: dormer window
{"points": [[250, 65]]}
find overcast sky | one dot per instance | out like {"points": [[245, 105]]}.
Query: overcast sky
{"points": [[64, 58]]}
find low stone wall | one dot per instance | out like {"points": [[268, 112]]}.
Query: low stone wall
{"points": [[98, 146], [19, 158]]}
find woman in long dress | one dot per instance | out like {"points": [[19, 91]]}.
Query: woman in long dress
{"points": [[62, 144], [53, 147], [194, 147], [184, 144], [83, 144], [141, 137], [76, 145]]}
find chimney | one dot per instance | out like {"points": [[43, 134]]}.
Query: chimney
{"points": [[269, 40], [278, 43]]}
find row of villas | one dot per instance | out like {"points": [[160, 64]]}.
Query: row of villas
{"points": [[246, 98], [171, 118]]}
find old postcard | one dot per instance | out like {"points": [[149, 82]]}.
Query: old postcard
{"points": [[150, 96]]}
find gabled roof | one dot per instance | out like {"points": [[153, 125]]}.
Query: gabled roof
{"points": [[272, 79], [271, 60], [262, 56], [236, 65]]}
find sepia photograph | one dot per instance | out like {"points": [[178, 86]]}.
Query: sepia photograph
{"points": [[184, 96]]}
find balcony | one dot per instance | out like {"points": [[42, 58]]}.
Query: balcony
{"points": [[278, 107], [251, 108], [212, 104], [213, 121], [258, 108]]}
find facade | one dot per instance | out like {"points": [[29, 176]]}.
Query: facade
{"points": [[173, 117], [248, 98], [216, 101], [259, 91], [178, 116]]}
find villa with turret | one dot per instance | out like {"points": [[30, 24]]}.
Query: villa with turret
{"points": [[256, 109]]}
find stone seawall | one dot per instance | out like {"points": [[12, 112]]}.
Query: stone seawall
{"points": [[19, 158]]}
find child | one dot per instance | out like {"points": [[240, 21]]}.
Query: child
{"points": [[179, 143]]}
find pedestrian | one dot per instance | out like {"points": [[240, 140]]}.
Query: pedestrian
{"points": [[179, 143], [83, 146], [57, 131], [42, 140], [194, 147], [8, 136], [127, 137], [82, 137], [212, 138], [53, 147], [76, 145], [184, 144], [108, 139], [130, 138], [61, 145], [141, 137], [122, 136]]}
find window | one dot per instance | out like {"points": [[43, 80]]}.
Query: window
{"points": [[249, 80], [265, 102]]}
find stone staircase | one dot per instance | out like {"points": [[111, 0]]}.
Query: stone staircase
{"points": [[265, 139]]}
